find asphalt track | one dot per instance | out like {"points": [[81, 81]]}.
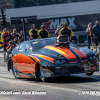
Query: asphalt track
{"points": [[75, 87]]}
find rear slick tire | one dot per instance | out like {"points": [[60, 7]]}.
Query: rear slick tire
{"points": [[14, 70]]}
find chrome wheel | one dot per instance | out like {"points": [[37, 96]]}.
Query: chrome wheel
{"points": [[14, 70], [42, 77]]}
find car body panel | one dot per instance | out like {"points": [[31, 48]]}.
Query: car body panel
{"points": [[87, 51], [24, 63]]}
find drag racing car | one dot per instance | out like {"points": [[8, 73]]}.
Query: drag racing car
{"points": [[51, 57]]}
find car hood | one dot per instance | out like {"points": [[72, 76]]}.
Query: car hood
{"points": [[71, 53], [87, 51]]}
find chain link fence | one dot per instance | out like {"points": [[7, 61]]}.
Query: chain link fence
{"points": [[5, 4], [28, 3]]}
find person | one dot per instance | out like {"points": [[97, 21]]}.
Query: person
{"points": [[57, 31], [21, 38], [9, 48], [92, 35], [6, 38], [96, 31], [16, 34], [93, 39], [61, 25], [88, 30], [33, 32], [67, 31], [43, 33], [13, 38]]}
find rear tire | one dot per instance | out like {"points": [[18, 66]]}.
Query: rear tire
{"points": [[88, 74], [14, 70]]}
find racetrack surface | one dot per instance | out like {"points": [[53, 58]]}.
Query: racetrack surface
{"points": [[62, 88]]}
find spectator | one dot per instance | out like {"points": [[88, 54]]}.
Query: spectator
{"points": [[61, 25], [16, 34], [33, 33], [13, 38], [57, 31], [21, 38], [96, 31], [6, 38], [93, 39], [67, 31], [92, 35], [88, 30], [43, 33], [9, 48]]}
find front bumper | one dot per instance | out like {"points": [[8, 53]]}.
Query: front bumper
{"points": [[68, 69]]}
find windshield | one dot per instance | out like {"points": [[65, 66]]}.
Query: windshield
{"points": [[49, 41], [38, 44]]}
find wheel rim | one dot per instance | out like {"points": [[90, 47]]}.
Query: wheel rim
{"points": [[41, 73], [14, 70]]}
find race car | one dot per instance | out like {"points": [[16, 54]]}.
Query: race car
{"points": [[51, 57]]}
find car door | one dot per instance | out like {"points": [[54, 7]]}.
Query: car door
{"points": [[24, 63]]}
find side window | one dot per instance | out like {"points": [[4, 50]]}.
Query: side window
{"points": [[17, 48], [27, 48], [24, 48], [38, 45]]}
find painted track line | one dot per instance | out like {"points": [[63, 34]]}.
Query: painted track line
{"points": [[35, 84]]}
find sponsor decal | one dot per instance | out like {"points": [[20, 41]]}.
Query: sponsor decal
{"points": [[92, 67], [52, 24]]}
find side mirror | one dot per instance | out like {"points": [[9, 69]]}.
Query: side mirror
{"points": [[25, 49]]}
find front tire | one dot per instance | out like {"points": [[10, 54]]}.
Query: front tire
{"points": [[89, 74], [40, 74]]}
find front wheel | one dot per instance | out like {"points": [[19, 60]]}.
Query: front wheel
{"points": [[42, 77], [40, 74], [88, 74]]}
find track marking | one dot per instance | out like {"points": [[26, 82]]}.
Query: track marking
{"points": [[1, 55], [43, 86], [48, 86]]}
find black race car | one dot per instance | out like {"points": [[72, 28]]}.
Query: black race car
{"points": [[51, 57]]}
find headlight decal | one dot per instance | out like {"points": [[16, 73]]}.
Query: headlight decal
{"points": [[84, 60], [92, 58], [73, 61], [60, 61]]}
